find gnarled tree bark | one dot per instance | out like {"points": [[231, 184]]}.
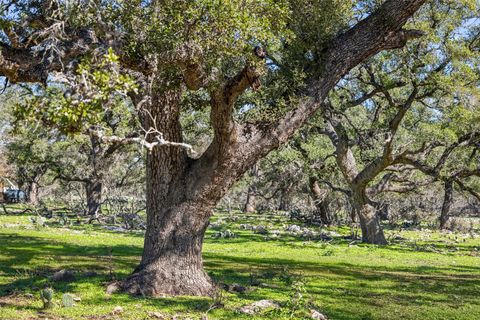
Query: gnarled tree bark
{"points": [[93, 192], [32, 193], [447, 203], [250, 202], [320, 199]]}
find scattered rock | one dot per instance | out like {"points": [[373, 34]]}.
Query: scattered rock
{"points": [[275, 233], [156, 315], [261, 229], [115, 228], [216, 225], [227, 234], [63, 275], [177, 317], [314, 314], [333, 234], [247, 226], [113, 287], [224, 286], [293, 228], [117, 310], [89, 274], [235, 287], [259, 306], [238, 288], [269, 285], [232, 218], [309, 234]]}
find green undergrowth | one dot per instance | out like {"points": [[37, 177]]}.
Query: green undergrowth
{"points": [[421, 274]]}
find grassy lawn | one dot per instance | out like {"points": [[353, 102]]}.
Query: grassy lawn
{"points": [[421, 275]]}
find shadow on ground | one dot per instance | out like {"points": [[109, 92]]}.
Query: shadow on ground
{"points": [[351, 284]]}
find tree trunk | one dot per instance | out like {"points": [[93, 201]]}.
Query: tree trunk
{"points": [[250, 203], [284, 204], [321, 204], [32, 193], [177, 213], [369, 222], [447, 202], [172, 257], [93, 189]]}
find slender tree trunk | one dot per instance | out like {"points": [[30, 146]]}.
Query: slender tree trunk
{"points": [[32, 193], [369, 222], [250, 202], [93, 189], [447, 202], [321, 204], [284, 204]]}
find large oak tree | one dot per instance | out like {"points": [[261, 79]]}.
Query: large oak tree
{"points": [[176, 49]]}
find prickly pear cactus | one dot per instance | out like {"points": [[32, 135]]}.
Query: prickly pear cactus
{"points": [[47, 297], [68, 300]]}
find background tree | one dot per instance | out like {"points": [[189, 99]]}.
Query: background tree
{"points": [[393, 92]]}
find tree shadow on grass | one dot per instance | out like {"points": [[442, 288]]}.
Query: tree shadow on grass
{"points": [[343, 283], [26, 268], [30, 260], [350, 284]]}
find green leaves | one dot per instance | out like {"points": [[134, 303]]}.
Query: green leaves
{"points": [[80, 101]]}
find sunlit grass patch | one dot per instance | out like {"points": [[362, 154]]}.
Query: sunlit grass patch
{"points": [[420, 275]]}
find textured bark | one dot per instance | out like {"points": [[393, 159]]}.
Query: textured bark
{"points": [[32, 193], [176, 218], [369, 221], [285, 199], [320, 199], [93, 190], [250, 201], [357, 182], [172, 257], [447, 203]]}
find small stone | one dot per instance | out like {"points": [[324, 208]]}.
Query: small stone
{"points": [[293, 228], [63, 275], [89, 274], [156, 315], [314, 314], [224, 286], [259, 306], [238, 288], [261, 229], [117, 310], [113, 287], [115, 229]]}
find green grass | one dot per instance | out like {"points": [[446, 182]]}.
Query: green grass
{"points": [[425, 275]]}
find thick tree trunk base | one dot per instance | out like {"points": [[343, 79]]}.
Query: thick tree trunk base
{"points": [[374, 235], [372, 232], [169, 279]]}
